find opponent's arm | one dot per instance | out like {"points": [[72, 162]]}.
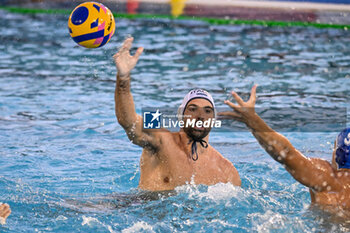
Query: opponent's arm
{"points": [[124, 103], [313, 173]]}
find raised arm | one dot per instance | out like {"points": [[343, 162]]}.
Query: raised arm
{"points": [[313, 173], [124, 103]]}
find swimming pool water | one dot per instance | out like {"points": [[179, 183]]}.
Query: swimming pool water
{"points": [[67, 166]]}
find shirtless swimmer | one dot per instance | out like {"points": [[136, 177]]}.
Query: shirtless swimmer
{"points": [[171, 159], [329, 183]]}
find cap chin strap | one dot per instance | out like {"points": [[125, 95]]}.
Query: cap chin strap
{"points": [[194, 153]]}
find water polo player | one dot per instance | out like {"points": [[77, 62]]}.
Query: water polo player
{"points": [[329, 183], [171, 159]]}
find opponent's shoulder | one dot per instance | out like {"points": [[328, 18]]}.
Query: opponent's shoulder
{"points": [[323, 166], [343, 176], [319, 163], [337, 179]]}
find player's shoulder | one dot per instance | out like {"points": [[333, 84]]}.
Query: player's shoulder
{"points": [[220, 158], [160, 133], [167, 137], [321, 163], [340, 175], [343, 175], [215, 152]]}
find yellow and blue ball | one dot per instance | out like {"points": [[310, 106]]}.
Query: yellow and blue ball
{"points": [[91, 25]]}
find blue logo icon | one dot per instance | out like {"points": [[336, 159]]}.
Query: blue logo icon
{"points": [[152, 120]]}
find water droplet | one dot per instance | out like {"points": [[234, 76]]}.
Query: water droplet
{"points": [[283, 154]]}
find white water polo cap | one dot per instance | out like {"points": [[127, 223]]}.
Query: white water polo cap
{"points": [[195, 94]]}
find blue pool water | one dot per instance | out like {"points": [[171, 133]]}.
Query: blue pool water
{"points": [[67, 166]]}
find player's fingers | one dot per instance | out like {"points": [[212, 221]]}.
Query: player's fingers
{"points": [[126, 46], [115, 56], [253, 94], [237, 98], [128, 43], [138, 52], [232, 105], [7, 213]]}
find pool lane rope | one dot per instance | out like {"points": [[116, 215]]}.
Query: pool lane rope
{"points": [[215, 21]]}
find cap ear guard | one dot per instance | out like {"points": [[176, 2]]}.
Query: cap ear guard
{"points": [[341, 157], [342, 152]]}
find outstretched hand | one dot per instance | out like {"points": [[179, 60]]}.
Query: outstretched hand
{"points": [[5, 211], [123, 59], [242, 111]]}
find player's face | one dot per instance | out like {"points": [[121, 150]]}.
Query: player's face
{"points": [[198, 110]]}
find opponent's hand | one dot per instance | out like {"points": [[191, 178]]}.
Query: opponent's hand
{"points": [[5, 211], [242, 111], [123, 60]]}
